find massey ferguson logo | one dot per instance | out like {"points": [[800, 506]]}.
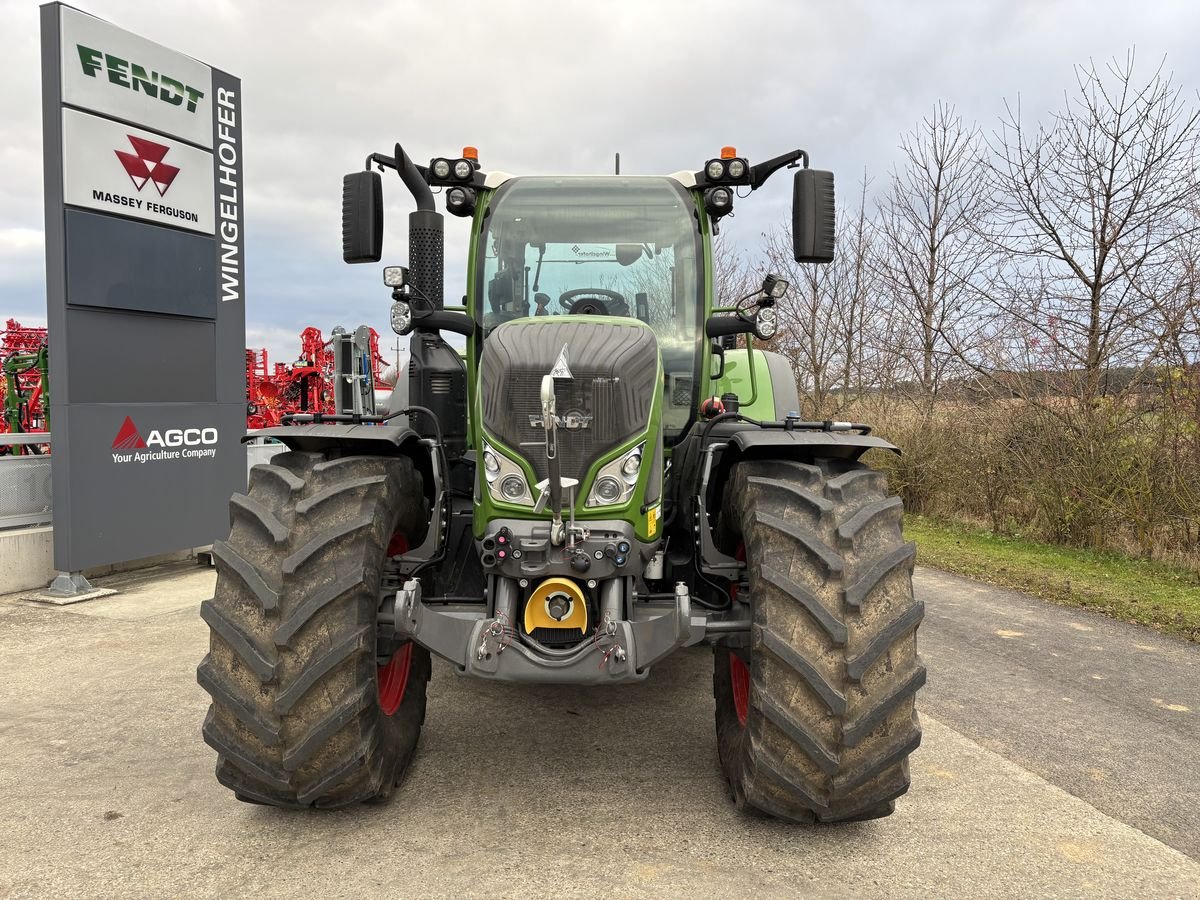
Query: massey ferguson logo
{"points": [[146, 164], [169, 444]]}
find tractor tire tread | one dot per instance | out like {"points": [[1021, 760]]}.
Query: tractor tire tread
{"points": [[295, 717], [834, 668]]}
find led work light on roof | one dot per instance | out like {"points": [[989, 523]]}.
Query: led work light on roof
{"points": [[460, 201], [463, 170], [718, 201], [715, 170], [440, 169]]}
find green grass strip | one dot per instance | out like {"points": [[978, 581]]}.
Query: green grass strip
{"points": [[1162, 596]]}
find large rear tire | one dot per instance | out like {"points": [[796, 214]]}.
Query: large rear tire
{"points": [[302, 712], [817, 718]]}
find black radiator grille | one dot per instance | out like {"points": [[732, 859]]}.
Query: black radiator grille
{"points": [[614, 369]]}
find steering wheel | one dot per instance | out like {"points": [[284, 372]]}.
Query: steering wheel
{"points": [[586, 302]]}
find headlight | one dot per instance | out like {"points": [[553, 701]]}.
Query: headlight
{"points": [[505, 480], [401, 317], [462, 170], [737, 168], [632, 464], [512, 488], [715, 170], [616, 480], [441, 168], [608, 490], [766, 323]]}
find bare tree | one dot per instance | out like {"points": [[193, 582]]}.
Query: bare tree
{"points": [[1089, 208], [931, 258], [826, 318], [858, 290], [734, 275]]}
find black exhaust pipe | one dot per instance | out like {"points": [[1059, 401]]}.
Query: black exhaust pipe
{"points": [[426, 239]]}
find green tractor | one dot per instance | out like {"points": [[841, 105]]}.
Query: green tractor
{"points": [[591, 477]]}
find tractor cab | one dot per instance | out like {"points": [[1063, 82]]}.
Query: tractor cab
{"points": [[618, 246]]}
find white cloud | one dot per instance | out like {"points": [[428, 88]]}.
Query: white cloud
{"points": [[550, 85]]}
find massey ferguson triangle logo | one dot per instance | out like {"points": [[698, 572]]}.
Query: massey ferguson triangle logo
{"points": [[146, 164], [128, 438]]}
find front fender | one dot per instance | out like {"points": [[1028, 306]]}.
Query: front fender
{"points": [[383, 440], [780, 444]]}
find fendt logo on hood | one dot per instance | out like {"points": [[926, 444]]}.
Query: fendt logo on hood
{"points": [[146, 164], [192, 443]]}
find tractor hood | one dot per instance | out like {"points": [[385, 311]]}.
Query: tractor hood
{"points": [[604, 398]]}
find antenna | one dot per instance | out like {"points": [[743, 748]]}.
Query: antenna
{"points": [[617, 163]]}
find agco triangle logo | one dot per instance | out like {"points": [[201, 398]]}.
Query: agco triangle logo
{"points": [[146, 164], [128, 438], [168, 444]]}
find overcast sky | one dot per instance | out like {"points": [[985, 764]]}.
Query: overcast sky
{"points": [[558, 86]]}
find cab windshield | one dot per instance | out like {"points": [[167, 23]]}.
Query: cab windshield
{"points": [[607, 245]]}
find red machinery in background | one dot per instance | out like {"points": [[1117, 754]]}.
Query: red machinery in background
{"points": [[24, 385], [272, 391], [303, 386]]}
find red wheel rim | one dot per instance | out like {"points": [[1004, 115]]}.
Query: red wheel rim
{"points": [[739, 679], [398, 545], [393, 679]]}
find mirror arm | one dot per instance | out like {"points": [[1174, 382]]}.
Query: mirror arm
{"points": [[412, 175], [764, 170], [414, 179], [722, 325]]}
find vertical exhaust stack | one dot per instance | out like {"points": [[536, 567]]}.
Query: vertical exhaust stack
{"points": [[426, 254], [426, 234]]}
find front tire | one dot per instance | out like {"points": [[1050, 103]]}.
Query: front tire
{"points": [[302, 712], [817, 717]]}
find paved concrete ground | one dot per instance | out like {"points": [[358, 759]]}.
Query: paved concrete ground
{"points": [[1105, 710], [107, 790]]}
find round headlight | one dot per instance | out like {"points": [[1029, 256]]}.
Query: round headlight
{"points": [[512, 488], [401, 317], [715, 170], [456, 197], [490, 463], [441, 168], [737, 168], [720, 198], [766, 323], [632, 464], [608, 490], [462, 170]]}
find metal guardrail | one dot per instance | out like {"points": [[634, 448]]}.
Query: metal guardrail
{"points": [[24, 484], [259, 451]]}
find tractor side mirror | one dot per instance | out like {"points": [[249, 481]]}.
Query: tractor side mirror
{"points": [[813, 217], [362, 217]]}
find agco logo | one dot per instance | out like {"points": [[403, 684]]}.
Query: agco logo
{"points": [[146, 164], [170, 443]]}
